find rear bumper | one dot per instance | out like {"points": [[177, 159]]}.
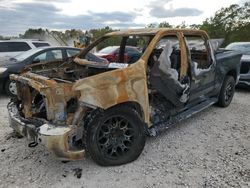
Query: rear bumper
{"points": [[55, 138]]}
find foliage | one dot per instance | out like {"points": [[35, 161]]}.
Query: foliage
{"points": [[231, 23], [165, 25], [97, 33], [152, 25], [182, 25]]}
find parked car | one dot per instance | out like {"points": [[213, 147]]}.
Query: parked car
{"points": [[111, 53], [107, 109], [244, 48], [11, 48], [15, 64]]}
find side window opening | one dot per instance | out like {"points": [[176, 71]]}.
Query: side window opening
{"points": [[72, 52], [120, 49], [14, 46], [3, 47], [170, 59], [167, 53], [198, 53], [55, 55], [41, 57], [165, 71], [109, 49], [49, 56]]}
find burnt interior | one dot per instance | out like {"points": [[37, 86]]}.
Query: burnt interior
{"points": [[38, 105], [66, 71], [198, 51], [165, 84]]}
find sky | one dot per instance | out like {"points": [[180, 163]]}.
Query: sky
{"points": [[16, 16]]}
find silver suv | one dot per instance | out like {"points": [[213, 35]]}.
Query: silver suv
{"points": [[12, 48]]}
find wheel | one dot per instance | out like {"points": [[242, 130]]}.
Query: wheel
{"points": [[227, 91], [116, 136], [10, 88]]}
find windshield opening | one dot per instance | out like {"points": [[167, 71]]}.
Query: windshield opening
{"points": [[121, 49]]}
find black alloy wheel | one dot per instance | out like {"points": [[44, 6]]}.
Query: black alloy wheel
{"points": [[116, 136]]}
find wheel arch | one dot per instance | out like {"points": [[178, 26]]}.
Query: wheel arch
{"points": [[131, 104], [134, 105], [232, 73]]}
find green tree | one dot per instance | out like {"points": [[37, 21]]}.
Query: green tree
{"points": [[165, 25], [33, 33], [182, 25], [231, 23], [97, 33], [151, 25]]}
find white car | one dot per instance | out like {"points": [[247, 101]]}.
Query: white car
{"points": [[11, 48]]}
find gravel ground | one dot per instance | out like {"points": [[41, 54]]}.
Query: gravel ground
{"points": [[211, 149]]}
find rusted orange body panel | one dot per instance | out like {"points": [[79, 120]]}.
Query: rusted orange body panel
{"points": [[115, 87]]}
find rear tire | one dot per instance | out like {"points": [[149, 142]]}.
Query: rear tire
{"points": [[10, 88], [227, 92], [116, 136]]}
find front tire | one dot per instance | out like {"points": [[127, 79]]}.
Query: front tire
{"points": [[227, 92], [116, 136], [10, 88]]}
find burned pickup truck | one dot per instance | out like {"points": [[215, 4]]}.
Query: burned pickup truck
{"points": [[108, 109]]}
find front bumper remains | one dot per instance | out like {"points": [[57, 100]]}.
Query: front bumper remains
{"points": [[57, 139]]}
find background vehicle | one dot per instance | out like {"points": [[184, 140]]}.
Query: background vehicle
{"points": [[244, 48], [111, 53], [107, 109], [15, 64], [12, 48]]}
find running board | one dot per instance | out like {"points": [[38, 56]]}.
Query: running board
{"points": [[158, 128]]}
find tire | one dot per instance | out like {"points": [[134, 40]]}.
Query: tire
{"points": [[116, 136], [10, 88], [227, 92]]}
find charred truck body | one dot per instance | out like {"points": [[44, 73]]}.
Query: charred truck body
{"points": [[108, 109]]}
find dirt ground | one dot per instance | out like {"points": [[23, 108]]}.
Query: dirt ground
{"points": [[211, 149]]}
